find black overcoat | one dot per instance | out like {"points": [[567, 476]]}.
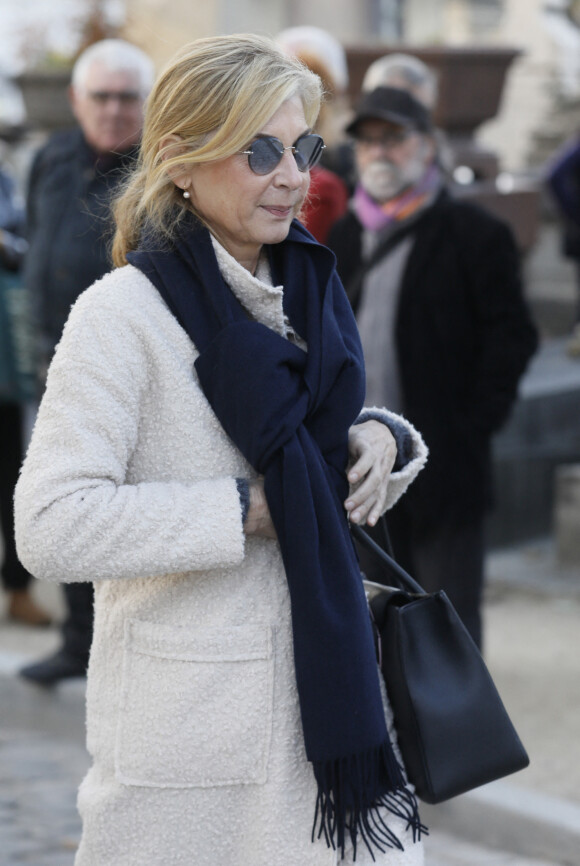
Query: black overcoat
{"points": [[70, 228], [463, 337]]}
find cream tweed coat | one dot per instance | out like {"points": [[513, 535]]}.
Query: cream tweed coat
{"points": [[193, 722]]}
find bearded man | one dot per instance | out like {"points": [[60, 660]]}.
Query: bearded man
{"points": [[436, 287]]}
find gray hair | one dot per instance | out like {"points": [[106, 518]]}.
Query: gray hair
{"points": [[115, 55], [406, 72]]}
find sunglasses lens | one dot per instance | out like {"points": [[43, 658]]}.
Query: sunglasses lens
{"points": [[308, 150], [267, 152], [265, 156]]}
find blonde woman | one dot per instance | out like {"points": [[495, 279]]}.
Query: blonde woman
{"points": [[190, 458]]}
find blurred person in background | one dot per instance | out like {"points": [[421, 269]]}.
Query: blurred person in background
{"points": [[71, 183], [411, 74], [328, 195], [16, 581], [446, 333], [563, 182]]}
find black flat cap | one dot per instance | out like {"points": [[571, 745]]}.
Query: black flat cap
{"points": [[394, 105]]}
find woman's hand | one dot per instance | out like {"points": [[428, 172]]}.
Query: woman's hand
{"points": [[373, 452], [258, 520]]}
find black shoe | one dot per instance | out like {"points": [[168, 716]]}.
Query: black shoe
{"points": [[60, 666]]}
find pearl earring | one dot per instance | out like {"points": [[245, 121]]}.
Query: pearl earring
{"points": [[186, 194]]}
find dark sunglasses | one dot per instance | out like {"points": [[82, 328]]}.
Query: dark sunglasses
{"points": [[266, 152]]}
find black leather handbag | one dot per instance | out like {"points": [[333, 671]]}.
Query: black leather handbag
{"points": [[453, 729]]}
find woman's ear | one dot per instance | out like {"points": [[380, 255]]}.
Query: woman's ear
{"points": [[170, 147]]}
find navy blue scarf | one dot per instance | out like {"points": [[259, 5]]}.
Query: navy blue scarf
{"points": [[288, 411]]}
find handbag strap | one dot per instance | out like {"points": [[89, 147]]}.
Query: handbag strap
{"points": [[400, 231], [404, 579], [354, 285], [387, 543]]}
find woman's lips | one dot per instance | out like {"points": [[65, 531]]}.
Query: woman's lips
{"points": [[279, 211]]}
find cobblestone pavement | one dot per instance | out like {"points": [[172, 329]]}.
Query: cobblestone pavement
{"points": [[40, 773], [532, 648], [446, 850], [39, 824]]}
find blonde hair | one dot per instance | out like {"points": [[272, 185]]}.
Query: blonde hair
{"points": [[216, 95]]}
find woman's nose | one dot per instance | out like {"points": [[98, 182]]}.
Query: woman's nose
{"points": [[287, 172]]}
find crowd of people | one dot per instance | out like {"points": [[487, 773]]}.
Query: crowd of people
{"points": [[279, 324]]}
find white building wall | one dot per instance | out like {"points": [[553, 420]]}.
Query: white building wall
{"points": [[163, 27], [256, 16], [433, 23], [532, 78], [529, 91], [351, 21]]}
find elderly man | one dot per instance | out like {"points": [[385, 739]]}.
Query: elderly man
{"points": [[435, 283], [71, 183]]}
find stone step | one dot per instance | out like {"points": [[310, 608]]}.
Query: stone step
{"points": [[542, 434], [567, 514]]}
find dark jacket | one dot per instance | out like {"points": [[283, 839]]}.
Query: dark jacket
{"points": [[463, 338], [563, 180], [69, 228], [12, 244]]}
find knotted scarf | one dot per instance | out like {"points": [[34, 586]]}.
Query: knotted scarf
{"points": [[288, 411], [376, 216]]}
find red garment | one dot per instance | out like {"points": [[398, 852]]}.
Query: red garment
{"points": [[327, 201]]}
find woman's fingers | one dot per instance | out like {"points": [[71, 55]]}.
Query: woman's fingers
{"points": [[373, 448], [362, 466], [367, 503], [258, 519]]}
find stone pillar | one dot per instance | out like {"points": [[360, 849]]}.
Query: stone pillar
{"points": [[567, 514]]}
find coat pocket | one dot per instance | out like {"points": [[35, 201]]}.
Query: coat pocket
{"points": [[196, 709]]}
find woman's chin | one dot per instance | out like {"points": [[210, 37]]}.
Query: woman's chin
{"points": [[276, 233]]}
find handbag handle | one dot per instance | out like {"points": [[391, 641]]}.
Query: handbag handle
{"points": [[405, 581]]}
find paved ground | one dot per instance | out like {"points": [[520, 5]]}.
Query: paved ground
{"points": [[532, 618]]}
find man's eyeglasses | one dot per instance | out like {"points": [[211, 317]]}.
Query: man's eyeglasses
{"points": [[388, 139], [266, 152], [125, 97]]}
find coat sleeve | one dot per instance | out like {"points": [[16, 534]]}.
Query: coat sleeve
{"points": [[78, 517], [412, 452]]}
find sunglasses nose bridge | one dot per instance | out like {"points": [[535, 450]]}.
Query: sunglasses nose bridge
{"points": [[288, 164]]}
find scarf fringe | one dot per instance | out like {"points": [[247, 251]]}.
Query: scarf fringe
{"points": [[353, 794]]}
